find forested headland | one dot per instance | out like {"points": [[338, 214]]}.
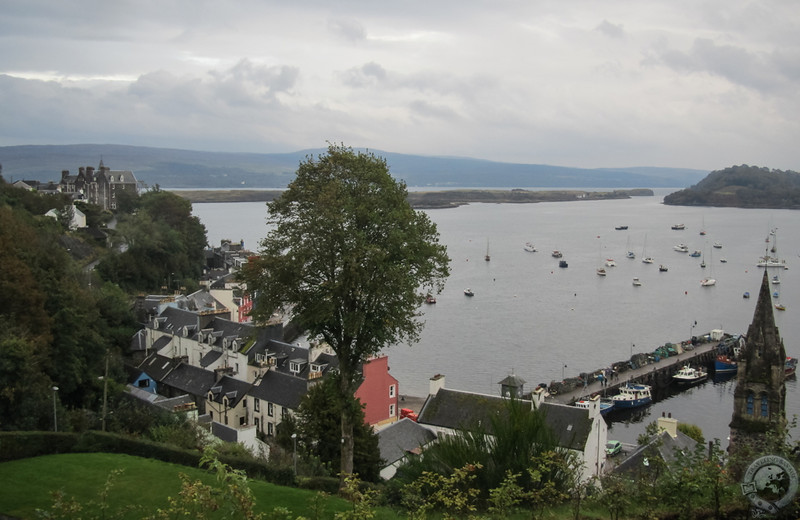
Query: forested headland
{"points": [[742, 187]]}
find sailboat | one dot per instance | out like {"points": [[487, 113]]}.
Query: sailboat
{"points": [[487, 257], [630, 254], [708, 282], [703, 227], [646, 259], [601, 271]]}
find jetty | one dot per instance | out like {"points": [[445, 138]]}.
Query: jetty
{"points": [[656, 372]]}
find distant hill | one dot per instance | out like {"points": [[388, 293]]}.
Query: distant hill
{"points": [[172, 168], [742, 187]]}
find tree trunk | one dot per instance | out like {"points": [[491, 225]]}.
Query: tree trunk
{"points": [[346, 466]]}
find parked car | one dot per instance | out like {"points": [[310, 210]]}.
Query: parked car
{"points": [[613, 447]]}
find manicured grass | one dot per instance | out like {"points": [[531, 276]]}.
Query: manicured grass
{"points": [[26, 485]]}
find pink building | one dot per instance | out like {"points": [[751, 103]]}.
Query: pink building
{"points": [[378, 392]]}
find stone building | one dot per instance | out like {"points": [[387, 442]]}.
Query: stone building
{"points": [[760, 396], [98, 186]]}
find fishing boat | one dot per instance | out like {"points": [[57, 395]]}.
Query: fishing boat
{"points": [[606, 405], [678, 227], [529, 247], [563, 263], [780, 306], [689, 375], [468, 292], [632, 396], [636, 281], [790, 367], [725, 364], [681, 248]]}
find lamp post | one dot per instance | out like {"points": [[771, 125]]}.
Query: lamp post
{"points": [[294, 456], [55, 416], [105, 395], [562, 372]]}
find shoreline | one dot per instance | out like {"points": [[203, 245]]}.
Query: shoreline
{"points": [[434, 199]]}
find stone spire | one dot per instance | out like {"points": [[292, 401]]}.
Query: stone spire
{"points": [[759, 400]]}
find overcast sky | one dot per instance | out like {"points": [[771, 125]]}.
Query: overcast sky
{"points": [[683, 83]]}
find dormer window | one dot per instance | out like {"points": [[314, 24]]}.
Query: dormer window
{"points": [[294, 367]]}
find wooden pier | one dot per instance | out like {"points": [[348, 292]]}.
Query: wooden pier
{"points": [[657, 374]]}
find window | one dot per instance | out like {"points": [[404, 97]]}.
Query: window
{"points": [[256, 404], [294, 367], [391, 410], [244, 403], [270, 430], [750, 399], [242, 421], [144, 383], [764, 406], [391, 391], [270, 411]]}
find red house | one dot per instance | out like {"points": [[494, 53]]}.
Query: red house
{"points": [[378, 392]]}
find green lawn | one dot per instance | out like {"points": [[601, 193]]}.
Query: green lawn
{"points": [[26, 485]]}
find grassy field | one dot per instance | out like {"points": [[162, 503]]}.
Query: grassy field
{"points": [[27, 484]]}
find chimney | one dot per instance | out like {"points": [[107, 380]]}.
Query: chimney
{"points": [[669, 425], [436, 384], [64, 174]]}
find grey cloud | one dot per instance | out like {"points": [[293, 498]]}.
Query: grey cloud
{"points": [[429, 110], [350, 30], [611, 30], [368, 75]]}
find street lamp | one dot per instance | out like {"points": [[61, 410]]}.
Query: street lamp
{"points": [[55, 417], [294, 456], [562, 372]]}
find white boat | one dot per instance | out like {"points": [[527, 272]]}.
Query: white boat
{"points": [[610, 262], [529, 247], [636, 281], [681, 248], [723, 260], [631, 255], [557, 254], [776, 280], [632, 396], [708, 282], [718, 245], [646, 259], [689, 375], [601, 271], [678, 226], [606, 405], [468, 292]]}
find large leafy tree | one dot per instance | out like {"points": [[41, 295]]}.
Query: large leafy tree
{"points": [[352, 260]]}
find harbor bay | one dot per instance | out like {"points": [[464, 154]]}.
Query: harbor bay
{"points": [[544, 323]]}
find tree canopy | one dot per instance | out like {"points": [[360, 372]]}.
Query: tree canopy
{"points": [[351, 260], [742, 186]]}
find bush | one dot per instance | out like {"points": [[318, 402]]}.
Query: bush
{"points": [[22, 445]]}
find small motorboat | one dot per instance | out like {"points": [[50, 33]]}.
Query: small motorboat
{"points": [[529, 247], [681, 248], [746, 294], [620, 228], [636, 281], [780, 307], [790, 367], [689, 375], [606, 405], [430, 299], [632, 396], [630, 255], [663, 268], [678, 227], [610, 262], [563, 263], [708, 282], [557, 254], [468, 292], [776, 280], [696, 253], [601, 271], [718, 245], [647, 260], [723, 260]]}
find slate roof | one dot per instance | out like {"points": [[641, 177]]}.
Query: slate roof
{"points": [[139, 341], [158, 367], [397, 439], [463, 410], [661, 445], [234, 389], [210, 357], [282, 389], [571, 424], [190, 379]]}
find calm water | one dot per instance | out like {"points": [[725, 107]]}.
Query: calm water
{"points": [[532, 318]]}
